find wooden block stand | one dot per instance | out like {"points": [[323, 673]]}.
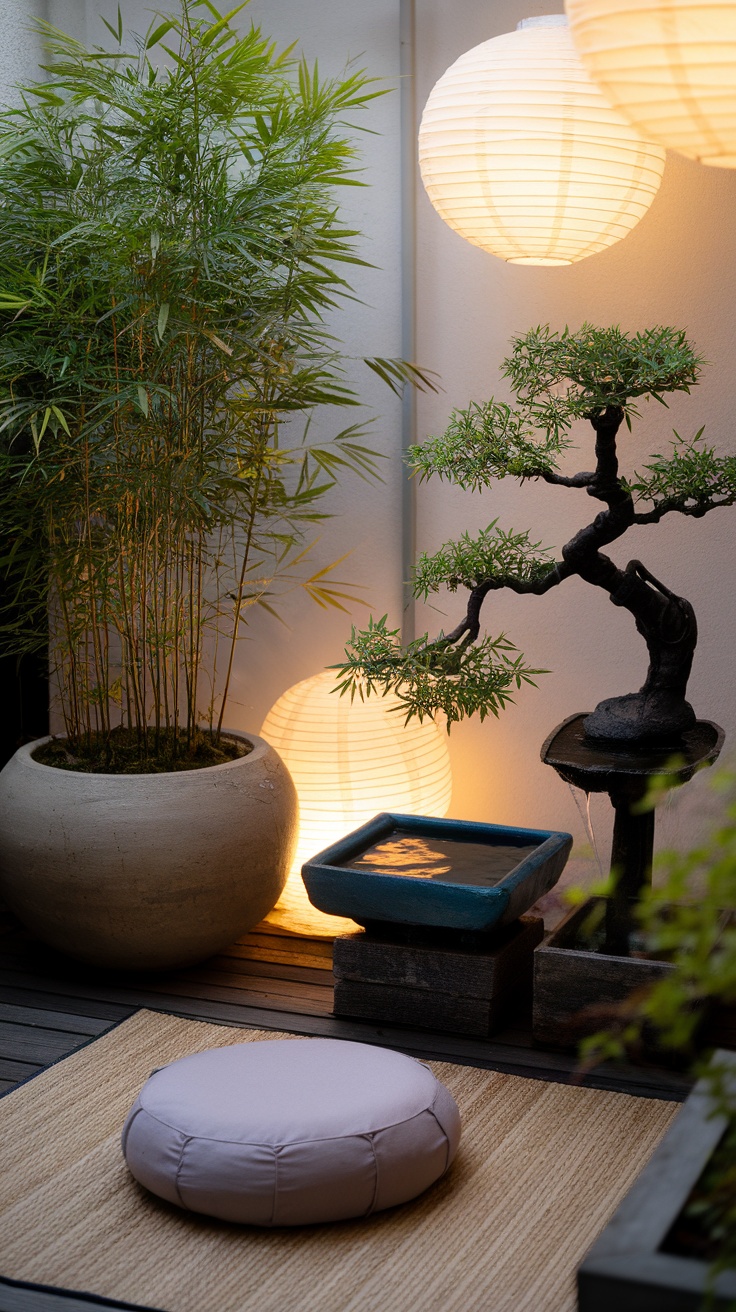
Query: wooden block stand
{"points": [[435, 979]]}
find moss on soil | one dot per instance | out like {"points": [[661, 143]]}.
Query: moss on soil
{"points": [[123, 752]]}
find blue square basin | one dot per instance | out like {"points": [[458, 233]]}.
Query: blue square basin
{"points": [[418, 870]]}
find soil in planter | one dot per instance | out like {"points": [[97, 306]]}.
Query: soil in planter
{"points": [[706, 1226], [590, 936], [122, 752]]}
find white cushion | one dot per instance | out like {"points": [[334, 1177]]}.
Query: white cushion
{"points": [[291, 1131]]}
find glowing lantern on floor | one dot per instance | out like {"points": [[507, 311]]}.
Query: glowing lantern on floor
{"points": [[521, 153], [669, 66], [349, 761]]}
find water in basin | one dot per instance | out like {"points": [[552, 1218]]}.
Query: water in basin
{"points": [[424, 857]]}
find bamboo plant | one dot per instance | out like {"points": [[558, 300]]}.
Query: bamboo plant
{"points": [[170, 249]]}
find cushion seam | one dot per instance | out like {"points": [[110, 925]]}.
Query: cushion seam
{"points": [[128, 1127], [443, 1130], [323, 1138], [187, 1140], [374, 1199]]}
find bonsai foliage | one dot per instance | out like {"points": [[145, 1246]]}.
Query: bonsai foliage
{"points": [[169, 247], [597, 375]]}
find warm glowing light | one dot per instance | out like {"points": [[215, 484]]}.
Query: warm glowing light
{"points": [[521, 153], [669, 65], [349, 761]]}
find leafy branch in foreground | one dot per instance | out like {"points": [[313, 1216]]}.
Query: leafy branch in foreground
{"points": [[597, 375]]}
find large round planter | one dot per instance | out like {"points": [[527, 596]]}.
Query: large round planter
{"points": [[145, 871]]}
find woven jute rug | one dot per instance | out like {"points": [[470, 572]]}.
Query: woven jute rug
{"points": [[540, 1170]]}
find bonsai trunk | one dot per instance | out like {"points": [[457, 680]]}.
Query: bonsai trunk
{"points": [[667, 624], [659, 710]]}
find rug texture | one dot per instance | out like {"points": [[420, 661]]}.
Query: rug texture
{"points": [[540, 1169]]}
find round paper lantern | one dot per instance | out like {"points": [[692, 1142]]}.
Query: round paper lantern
{"points": [[521, 153], [351, 760], [669, 65]]}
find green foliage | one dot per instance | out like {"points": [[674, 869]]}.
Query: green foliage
{"points": [[692, 476], [682, 918], [688, 919], [503, 557], [169, 249], [594, 374], [577, 375], [431, 677], [483, 443], [557, 378]]}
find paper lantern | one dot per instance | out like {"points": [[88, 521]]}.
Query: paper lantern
{"points": [[349, 761], [669, 65], [521, 153]]}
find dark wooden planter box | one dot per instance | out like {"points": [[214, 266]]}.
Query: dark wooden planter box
{"points": [[626, 1268], [573, 987], [571, 984]]}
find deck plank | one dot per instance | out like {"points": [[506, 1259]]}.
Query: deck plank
{"points": [[15, 1071], [52, 1020], [81, 1007], [19, 1296], [275, 982], [32, 1043]]}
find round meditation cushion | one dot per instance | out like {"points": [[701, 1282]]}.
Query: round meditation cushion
{"points": [[291, 1131]]}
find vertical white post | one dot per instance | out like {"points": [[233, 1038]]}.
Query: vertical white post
{"points": [[408, 300]]}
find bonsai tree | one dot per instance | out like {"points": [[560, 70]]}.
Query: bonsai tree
{"points": [[597, 375], [170, 245]]}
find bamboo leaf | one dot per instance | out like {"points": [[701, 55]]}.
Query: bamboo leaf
{"points": [[155, 36], [163, 319], [60, 416]]}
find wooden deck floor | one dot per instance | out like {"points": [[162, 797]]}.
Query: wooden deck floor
{"points": [[49, 1006]]}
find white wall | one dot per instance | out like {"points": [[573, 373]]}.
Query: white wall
{"points": [[19, 47], [677, 267]]}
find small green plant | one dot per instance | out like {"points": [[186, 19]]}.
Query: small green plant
{"points": [[597, 375], [170, 246], [688, 918]]}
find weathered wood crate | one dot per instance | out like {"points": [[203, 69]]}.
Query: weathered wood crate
{"points": [[435, 984], [573, 987]]}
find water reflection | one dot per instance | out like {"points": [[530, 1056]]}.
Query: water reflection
{"points": [[441, 858]]}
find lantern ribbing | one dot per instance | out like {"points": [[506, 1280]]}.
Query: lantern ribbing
{"points": [[669, 66], [522, 155], [351, 760]]}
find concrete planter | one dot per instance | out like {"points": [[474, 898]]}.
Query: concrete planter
{"points": [[147, 871]]}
